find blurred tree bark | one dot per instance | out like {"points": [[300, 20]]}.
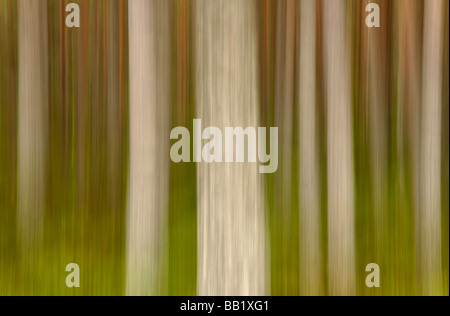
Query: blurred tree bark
{"points": [[410, 28], [149, 42], [284, 98], [284, 104], [429, 221], [310, 245], [341, 239], [113, 110], [8, 143], [231, 226], [32, 122], [378, 87]]}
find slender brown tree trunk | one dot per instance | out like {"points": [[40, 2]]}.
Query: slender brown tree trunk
{"points": [[408, 112], [113, 110], [378, 84], [310, 257], [284, 103], [284, 97]]}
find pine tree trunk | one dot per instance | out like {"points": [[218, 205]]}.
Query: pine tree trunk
{"points": [[429, 220], [32, 120], [378, 87], [408, 113], [341, 234], [113, 111], [231, 228], [149, 42], [310, 257]]}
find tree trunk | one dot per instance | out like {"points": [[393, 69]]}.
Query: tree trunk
{"points": [[113, 111], [32, 120], [231, 227], [284, 96], [310, 257], [408, 113], [378, 97], [149, 41], [429, 221], [341, 243]]}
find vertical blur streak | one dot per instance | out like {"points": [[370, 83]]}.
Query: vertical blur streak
{"points": [[378, 81], [429, 221], [113, 110], [341, 243], [149, 41], [82, 110], [81, 106], [8, 145], [445, 156], [231, 226], [32, 116], [409, 82], [411, 52], [182, 264], [284, 79], [284, 98], [310, 256]]}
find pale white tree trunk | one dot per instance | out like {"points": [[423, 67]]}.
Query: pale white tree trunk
{"points": [[149, 42], [429, 220], [32, 120], [231, 226], [310, 257], [341, 243]]}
